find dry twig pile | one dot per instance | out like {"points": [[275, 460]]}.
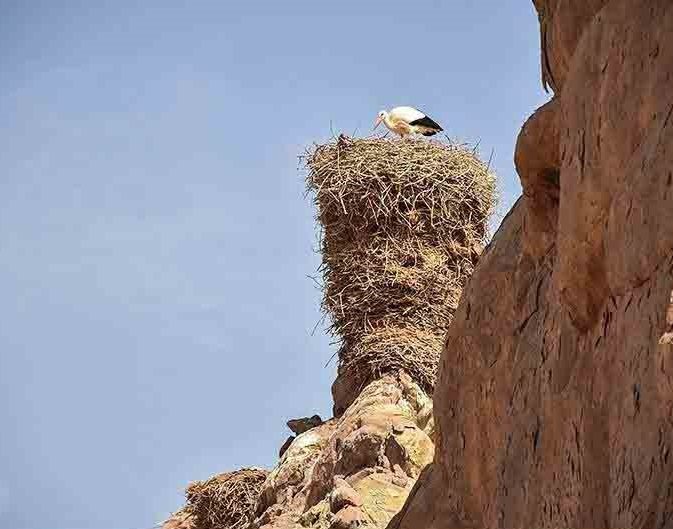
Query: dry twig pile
{"points": [[225, 501], [403, 225]]}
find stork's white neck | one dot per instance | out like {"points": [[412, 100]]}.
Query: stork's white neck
{"points": [[388, 121]]}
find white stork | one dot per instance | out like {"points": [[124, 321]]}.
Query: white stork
{"points": [[408, 120]]}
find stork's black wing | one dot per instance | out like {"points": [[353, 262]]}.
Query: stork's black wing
{"points": [[425, 121]]}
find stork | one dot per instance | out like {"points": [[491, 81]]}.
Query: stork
{"points": [[407, 120]]}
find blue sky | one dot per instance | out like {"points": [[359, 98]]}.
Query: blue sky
{"points": [[155, 243]]}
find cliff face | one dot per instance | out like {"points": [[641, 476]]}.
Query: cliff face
{"points": [[554, 401]]}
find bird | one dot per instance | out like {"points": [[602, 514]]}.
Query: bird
{"points": [[407, 120]]}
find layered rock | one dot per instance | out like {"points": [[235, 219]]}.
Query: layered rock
{"points": [[554, 400], [354, 470]]}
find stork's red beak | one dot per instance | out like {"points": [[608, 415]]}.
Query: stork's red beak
{"points": [[378, 121]]}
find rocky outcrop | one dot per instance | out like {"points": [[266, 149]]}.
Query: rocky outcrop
{"points": [[304, 424], [354, 470], [298, 427], [554, 401]]}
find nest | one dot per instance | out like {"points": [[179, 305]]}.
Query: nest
{"points": [[225, 501], [403, 224], [180, 520]]}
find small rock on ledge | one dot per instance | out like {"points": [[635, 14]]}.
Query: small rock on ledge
{"points": [[299, 426]]}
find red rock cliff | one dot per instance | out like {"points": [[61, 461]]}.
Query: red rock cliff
{"points": [[554, 402]]}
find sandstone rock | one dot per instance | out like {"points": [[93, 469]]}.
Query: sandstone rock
{"points": [[282, 493], [381, 497], [348, 518], [344, 390], [341, 465], [557, 412], [304, 424], [537, 160], [286, 445], [362, 448], [400, 477], [561, 26], [343, 495], [317, 517], [411, 449]]}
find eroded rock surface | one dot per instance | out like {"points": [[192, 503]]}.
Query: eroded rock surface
{"points": [[357, 469], [304, 424], [554, 401]]}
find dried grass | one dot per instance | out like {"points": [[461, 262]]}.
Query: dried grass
{"points": [[403, 223], [180, 520], [225, 501]]}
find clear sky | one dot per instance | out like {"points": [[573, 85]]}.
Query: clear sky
{"points": [[155, 243]]}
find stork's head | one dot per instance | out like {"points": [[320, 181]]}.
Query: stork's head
{"points": [[382, 115]]}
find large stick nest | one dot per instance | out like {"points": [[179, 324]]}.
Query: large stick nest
{"points": [[403, 223], [180, 520], [225, 501]]}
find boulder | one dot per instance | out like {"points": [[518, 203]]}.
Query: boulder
{"points": [[304, 424]]}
